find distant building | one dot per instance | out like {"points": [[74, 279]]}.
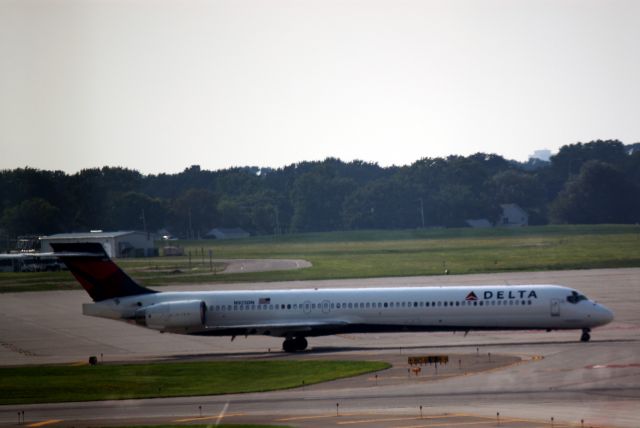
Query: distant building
{"points": [[513, 215], [116, 244], [222, 233], [29, 262], [479, 223]]}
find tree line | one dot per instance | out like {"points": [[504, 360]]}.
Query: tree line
{"points": [[595, 182]]}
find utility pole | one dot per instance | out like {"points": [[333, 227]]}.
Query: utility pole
{"points": [[421, 211]]}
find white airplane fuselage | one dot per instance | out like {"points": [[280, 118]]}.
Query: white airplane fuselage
{"points": [[315, 312], [297, 314]]}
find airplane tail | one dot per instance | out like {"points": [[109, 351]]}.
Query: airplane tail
{"points": [[96, 272]]}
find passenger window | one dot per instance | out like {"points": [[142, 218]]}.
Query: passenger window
{"points": [[386, 304]]}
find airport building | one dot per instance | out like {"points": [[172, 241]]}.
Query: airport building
{"points": [[116, 244]]}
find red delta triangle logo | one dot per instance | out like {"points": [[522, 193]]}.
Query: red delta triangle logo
{"points": [[471, 296]]}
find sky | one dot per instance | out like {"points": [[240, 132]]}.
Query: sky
{"points": [[160, 85]]}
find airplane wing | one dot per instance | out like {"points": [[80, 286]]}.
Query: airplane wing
{"points": [[283, 328]]}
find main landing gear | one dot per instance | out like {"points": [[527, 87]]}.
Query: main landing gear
{"points": [[585, 335], [294, 344]]}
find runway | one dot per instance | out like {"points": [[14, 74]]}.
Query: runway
{"points": [[596, 382]]}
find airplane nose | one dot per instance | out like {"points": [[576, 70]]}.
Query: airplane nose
{"points": [[604, 316]]}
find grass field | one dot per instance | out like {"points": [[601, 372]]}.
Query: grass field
{"points": [[363, 254], [48, 384]]}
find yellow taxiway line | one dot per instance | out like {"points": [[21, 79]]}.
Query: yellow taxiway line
{"points": [[305, 418], [44, 423], [406, 418]]}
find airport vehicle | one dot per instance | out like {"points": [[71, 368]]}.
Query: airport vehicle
{"points": [[298, 314]]}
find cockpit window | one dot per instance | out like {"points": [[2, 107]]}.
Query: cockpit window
{"points": [[574, 297]]}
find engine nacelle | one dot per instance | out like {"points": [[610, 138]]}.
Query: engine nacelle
{"points": [[173, 316]]}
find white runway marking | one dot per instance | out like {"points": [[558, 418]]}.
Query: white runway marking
{"points": [[221, 415]]}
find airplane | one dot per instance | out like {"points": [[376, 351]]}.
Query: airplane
{"points": [[295, 314]]}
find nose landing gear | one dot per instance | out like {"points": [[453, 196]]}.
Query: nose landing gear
{"points": [[585, 335], [294, 344]]}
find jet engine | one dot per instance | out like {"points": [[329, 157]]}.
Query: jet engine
{"points": [[173, 316]]}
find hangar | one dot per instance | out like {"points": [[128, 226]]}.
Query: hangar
{"points": [[116, 244]]}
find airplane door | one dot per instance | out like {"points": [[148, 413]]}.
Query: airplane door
{"points": [[325, 307], [555, 307]]}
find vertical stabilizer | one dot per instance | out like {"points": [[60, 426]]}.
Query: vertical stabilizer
{"points": [[96, 272]]}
